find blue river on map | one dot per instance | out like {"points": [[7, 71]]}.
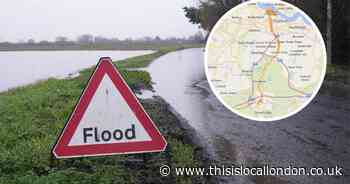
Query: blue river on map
{"points": [[287, 18]]}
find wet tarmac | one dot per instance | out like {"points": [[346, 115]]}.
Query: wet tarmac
{"points": [[318, 136]]}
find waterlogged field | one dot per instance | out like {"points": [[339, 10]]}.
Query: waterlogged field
{"points": [[32, 117]]}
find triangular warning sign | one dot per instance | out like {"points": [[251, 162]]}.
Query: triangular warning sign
{"points": [[108, 120]]}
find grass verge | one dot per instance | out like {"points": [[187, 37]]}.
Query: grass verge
{"points": [[31, 118], [145, 60], [337, 81], [338, 73]]}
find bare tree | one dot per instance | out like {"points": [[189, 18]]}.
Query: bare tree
{"points": [[61, 39], [329, 31], [31, 41], [85, 39]]}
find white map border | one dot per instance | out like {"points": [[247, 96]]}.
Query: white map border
{"points": [[315, 92]]}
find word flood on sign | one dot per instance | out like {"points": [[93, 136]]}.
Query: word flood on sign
{"points": [[106, 135], [107, 120]]}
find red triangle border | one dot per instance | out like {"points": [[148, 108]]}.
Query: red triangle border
{"points": [[61, 148]]}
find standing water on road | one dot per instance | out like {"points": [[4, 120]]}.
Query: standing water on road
{"points": [[24, 67], [318, 136]]}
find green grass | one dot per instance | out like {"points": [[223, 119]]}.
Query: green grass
{"points": [[96, 46], [145, 60], [135, 79], [32, 117], [338, 73], [337, 81], [183, 156]]}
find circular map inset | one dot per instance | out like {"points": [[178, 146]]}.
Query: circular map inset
{"points": [[265, 60]]}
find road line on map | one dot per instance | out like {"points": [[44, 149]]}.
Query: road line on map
{"points": [[270, 25], [289, 83]]}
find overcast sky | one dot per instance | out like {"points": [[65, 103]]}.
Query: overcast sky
{"points": [[46, 19]]}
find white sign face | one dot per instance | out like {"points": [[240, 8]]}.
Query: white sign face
{"points": [[106, 111], [108, 120]]}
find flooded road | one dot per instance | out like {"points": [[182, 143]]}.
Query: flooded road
{"points": [[318, 136], [24, 67]]}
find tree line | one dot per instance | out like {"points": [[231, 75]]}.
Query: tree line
{"points": [[331, 16], [90, 42]]}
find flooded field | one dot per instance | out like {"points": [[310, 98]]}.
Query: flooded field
{"points": [[25, 67]]}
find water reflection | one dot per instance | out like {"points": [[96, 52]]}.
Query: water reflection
{"points": [[24, 67]]}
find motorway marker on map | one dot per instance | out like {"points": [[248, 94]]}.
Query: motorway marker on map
{"points": [[108, 120]]}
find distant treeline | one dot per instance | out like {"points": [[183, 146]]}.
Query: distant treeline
{"points": [[89, 42]]}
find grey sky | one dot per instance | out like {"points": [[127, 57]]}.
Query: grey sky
{"points": [[46, 19]]}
